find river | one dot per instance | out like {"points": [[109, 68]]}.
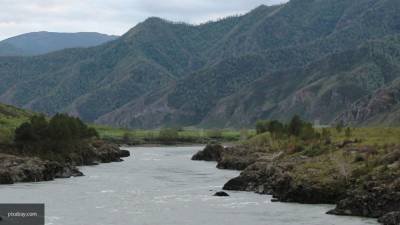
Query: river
{"points": [[161, 186]]}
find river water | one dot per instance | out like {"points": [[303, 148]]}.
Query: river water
{"points": [[161, 186]]}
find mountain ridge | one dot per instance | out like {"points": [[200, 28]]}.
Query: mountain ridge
{"points": [[162, 73], [42, 42]]}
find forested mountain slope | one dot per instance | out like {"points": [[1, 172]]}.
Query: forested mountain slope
{"points": [[311, 57]]}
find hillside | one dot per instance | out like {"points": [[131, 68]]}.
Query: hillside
{"points": [[313, 58], [11, 118], [37, 43]]}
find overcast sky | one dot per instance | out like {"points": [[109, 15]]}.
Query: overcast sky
{"points": [[110, 16]]}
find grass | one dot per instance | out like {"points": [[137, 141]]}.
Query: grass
{"points": [[192, 134], [372, 136], [369, 136], [10, 119]]}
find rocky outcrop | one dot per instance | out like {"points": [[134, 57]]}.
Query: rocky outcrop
{"points": [[277, 180], [234, 158], [392, 218], [238, 158], [106, 152], [98, 151], [212, 152], [362, 180], [15, 169], [374, 199], [380, 107]]}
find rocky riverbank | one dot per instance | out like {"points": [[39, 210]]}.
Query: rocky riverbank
{"points": [[29, 168], [360, 180]]}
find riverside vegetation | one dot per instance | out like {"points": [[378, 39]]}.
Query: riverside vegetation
{"points": [[171, 136], [358, 169], [35, 148]]}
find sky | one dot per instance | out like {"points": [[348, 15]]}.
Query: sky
{"points": [[111, 16]]}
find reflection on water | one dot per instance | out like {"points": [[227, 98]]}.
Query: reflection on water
{"points": [[161, 186]]}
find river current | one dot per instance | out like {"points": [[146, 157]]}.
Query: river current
{"points": [[162, 186]]}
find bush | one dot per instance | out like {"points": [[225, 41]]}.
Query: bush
{"points": [[295, 126], [315, 150], [262, 126], [6, 136], [276, 128], [307, 132], [326, 134]]}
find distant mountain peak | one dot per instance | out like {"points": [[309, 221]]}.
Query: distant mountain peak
{"points": [[155, 20], [42, 42]]}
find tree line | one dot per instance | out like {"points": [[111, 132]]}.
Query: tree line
{"points": [[59, 128], [296, 127]]}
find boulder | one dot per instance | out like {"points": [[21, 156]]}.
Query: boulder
{"points": [[240, 183], [124, 153], [211, 152], [392, 218], [221, 194], [5, 177]]}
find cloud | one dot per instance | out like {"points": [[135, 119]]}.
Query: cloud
{"points": [[111, 16]]}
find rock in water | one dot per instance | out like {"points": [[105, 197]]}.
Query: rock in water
{"points": [[392, 218], [221, 194], [211, 152], [124, 153]]}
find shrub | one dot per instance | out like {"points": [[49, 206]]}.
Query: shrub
{"points": [[295, 126], [276, 128], [326, 134], [315, 150], [307, 132], [6, 136], [262, 126]]}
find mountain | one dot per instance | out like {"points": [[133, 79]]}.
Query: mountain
{"points": [[316, 58], [38, 43]]}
